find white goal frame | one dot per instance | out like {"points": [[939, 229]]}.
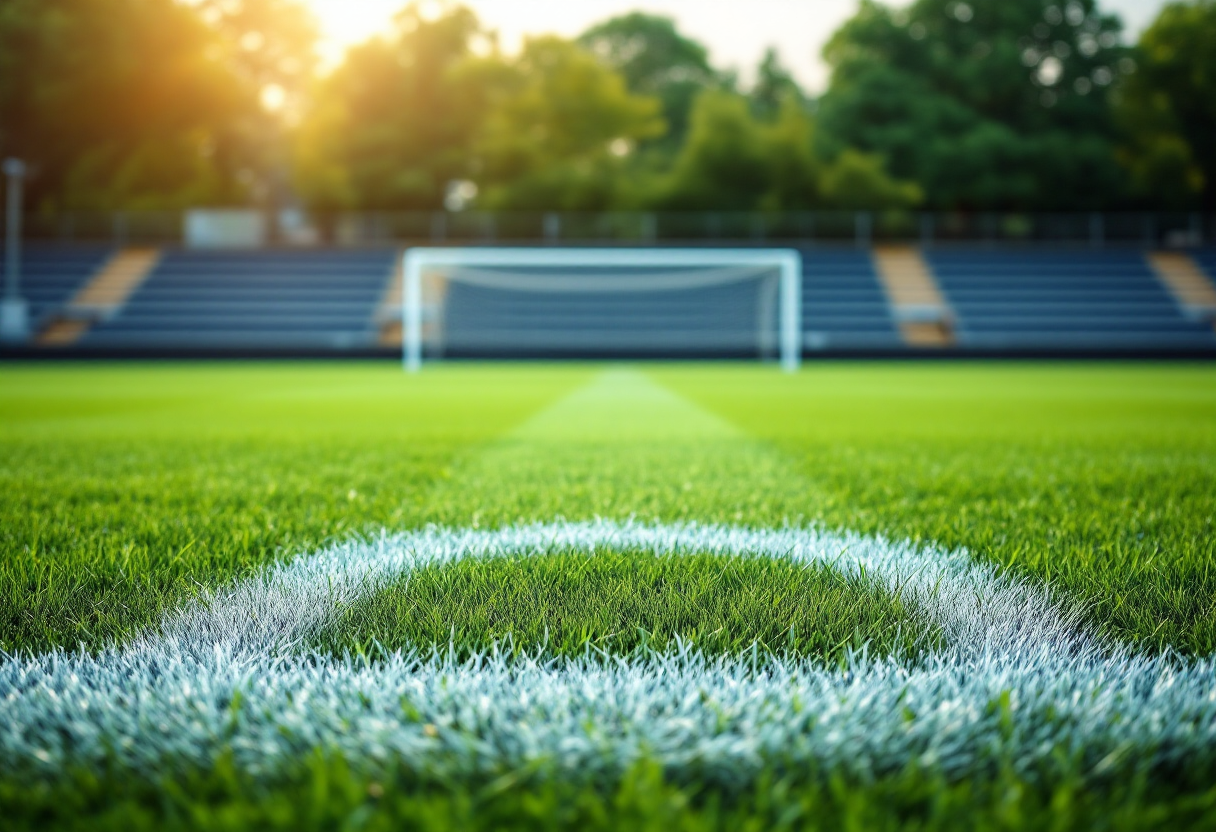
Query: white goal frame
{"points": [[787, 261]]}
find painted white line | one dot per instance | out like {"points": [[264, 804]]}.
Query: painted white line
{"points": [[1017, 681]]}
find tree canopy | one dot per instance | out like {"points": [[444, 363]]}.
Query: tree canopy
{"points": [[734, 161], [559, 133], [996, 104], [396, 121], [947, 104], [655, 59], [1169, 107], [129, 103]]}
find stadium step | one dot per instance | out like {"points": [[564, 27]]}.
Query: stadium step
{"points": [[917, 303], [62, 332], [102, 296], [389, 310], [1183, 278]]}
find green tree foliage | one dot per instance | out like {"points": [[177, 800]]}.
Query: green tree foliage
{"points": [[397, 120], [270, 43], [859, 181], [560, 132], [655, 59], [983, 104], [405, 116], [1169, 108], [130, 103], [270, 46], [996, 104], [724, 163], [733, 160], [774, 84]]}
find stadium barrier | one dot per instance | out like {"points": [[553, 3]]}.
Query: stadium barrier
{"points": [[862, 229]]}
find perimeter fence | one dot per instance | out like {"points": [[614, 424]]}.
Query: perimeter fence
{"points": [[857, 228]]}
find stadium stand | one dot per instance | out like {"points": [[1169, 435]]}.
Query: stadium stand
{"points": [[100, 297], [1205, 259], [320, 301], [52, 274], [843, 303], [1063, 300], [258, 300], [924, 317], [1185, 280], [388, 310]]}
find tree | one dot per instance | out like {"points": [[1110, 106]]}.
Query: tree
{"points": [[558, 134], [734, 161], [403, 117], [396, 122], [271, 44], [774, 84], [118, 103], [723, 163], [859, 181], [656, 60], [1169, 107], [987, 104], [134, 103], [271, 47]]}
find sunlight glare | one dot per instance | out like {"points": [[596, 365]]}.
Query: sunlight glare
{"points": [[345, 23]]}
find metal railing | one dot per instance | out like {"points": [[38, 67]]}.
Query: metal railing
{"points": [[856, 228]]}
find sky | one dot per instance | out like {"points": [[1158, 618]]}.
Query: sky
{"points": [[736, 31]]}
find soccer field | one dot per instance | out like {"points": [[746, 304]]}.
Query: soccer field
{"points": [[652, 596]]}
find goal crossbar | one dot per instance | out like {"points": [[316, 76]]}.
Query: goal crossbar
{"points": [[787, 262]]}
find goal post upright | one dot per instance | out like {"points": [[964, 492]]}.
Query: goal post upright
{"points": [[411, 313], [791, 311], [787, 262]]}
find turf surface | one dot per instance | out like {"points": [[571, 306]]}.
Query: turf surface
{"points": [[129, 490], [1100, 480], [573, 603]]}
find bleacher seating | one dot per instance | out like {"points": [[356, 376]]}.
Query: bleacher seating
{"points": [[326, 300], [1062, 300], [283, 300], [843, 304], [51, 275], [1206, 260]]}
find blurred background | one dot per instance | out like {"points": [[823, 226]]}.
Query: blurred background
{"points": [[140, 131]]}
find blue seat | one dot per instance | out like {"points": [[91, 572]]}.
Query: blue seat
{"points": [[1062, 299], [52, 274], [263, 299], [1206, 259], [843, 303]]}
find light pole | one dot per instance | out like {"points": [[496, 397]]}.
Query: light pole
{"points": [[14, 312]]}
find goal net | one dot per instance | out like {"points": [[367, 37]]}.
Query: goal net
{"points": [[596, 302]]}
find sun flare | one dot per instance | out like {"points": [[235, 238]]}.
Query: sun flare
{"points": [[344, 23]]}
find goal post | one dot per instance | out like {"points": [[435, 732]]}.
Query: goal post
{"points": [[604, 271]]}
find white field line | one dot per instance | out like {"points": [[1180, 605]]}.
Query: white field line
{"points": [[1017, 681]]}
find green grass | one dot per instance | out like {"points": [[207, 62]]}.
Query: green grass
{"points": [[326, 793], [127, 489], [1099, 479], [622, 602]]}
